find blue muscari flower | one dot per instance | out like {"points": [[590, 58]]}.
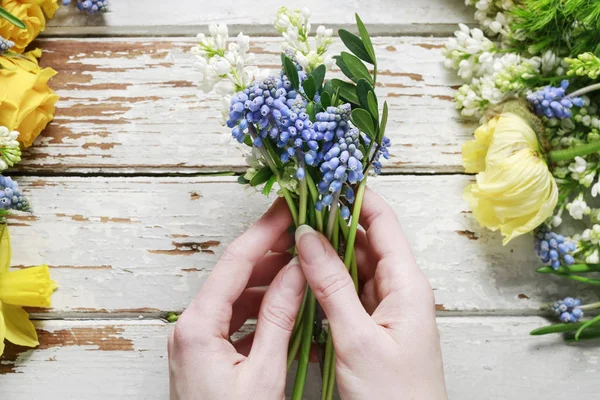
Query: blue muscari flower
{"points": [[552, 102], [5, 44], [11, 196], [568, 310], [554, 249], [342, 162], [382, 150], [90, 6]]}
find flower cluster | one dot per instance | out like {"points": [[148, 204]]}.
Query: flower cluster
{"points": [[568, 310], [11, 196], [586, 64], [295, 29], [90, 6], [554, 249], [10, 151], [5, 45], [552, 102]]}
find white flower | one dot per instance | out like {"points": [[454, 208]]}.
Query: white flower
{"points": [[578, 166], [588, 179], [556, 221], [596, 189], [593, 258], [578, 208], [10, 151]]}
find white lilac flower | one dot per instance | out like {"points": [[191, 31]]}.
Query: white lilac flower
{"points": [[577, 167], [223, 67], [556, 221], [295, 29], [578, 208], [593, 258], [10, 151], [464, 50], [588, 179]]}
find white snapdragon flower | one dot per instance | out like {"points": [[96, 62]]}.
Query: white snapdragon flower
{"points": [[10, 151]]}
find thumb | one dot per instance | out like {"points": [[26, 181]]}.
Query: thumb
{"points": [[330, 281]]}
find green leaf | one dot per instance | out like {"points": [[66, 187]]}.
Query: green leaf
{"points": [[328, 87], [248, 141], [261, 176], [588, 334], [366, 39], [325, 99], [355, 45], [570, 269], [556, 328], [583, 279], [356, 67], [242, 181], [362, 90], [373, 106], [310, 88], [319, 75], [586, 325], [12, 19], [347, 90], [267, 189], [383, 124], [344, 68], [290, 70], [363, 121]]}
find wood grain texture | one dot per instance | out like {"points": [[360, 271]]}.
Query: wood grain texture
{"points": [[128, 360], [131, 105], [187, 17], [146, 245]]}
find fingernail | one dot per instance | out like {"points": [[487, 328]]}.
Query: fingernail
{"points": [[309, 244], [293, 278]]}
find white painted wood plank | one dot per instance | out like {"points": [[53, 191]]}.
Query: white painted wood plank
{"points": [[131, 105], [145, 245], [187, 17], [485, 357]]}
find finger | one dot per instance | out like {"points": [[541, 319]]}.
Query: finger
{"points": [[387, 242], [330, 282], [276, 318], [267, 268], [246, 307], [231, 274], [284, 243]]}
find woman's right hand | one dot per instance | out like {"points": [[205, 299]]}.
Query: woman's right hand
{"points": [[386, 342]]}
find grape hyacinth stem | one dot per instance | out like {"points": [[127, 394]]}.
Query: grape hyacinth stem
{"points": [[585, 90], [590, 306], [307, 332], [331, 222]]}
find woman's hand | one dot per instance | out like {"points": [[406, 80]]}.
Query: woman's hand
{"points": [[203, 363], [386, 342]]}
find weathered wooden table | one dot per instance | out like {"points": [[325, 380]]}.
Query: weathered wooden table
{"points": [[131, 220]]}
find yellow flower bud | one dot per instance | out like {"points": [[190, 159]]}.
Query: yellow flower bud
{"points": [[31, 12], [515, 191], [26, 101]]}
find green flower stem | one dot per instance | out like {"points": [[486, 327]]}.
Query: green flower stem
{"points": [[570, 269], [590, 306], [331, 223], [294, 345], [585, 90], [331, 379], [307, 331], [360, 194], [587, 324], [583, 279], [303, 202], [556, 328], [327, 365], [576, 151], [300, 313], [314, 194]]}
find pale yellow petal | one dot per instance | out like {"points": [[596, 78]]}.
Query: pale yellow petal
{"points": [[2, 330], [512, 134], [4, 249], [19, 329], [474, 151], [30, 287]]}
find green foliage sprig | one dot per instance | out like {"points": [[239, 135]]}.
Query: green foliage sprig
{"points": [[11, 18], [540, 21]]}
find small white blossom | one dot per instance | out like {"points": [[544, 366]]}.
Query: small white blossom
{"points": [[596, 189], [577, 167], [10, 151], [556, 221], [578, 208], [588, 179], [593, 258]]}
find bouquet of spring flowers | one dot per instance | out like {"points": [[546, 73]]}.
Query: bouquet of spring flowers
{"points": [[530, 75], [312, 138]]}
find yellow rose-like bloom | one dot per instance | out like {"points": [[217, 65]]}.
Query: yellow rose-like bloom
{"points": [[515, 191], [26, 101], [31, 12], [27, 287]]}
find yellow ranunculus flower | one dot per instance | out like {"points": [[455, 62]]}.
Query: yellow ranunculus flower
{"points": [[30, 287], [515, 191], [31, 12], [26, 101]]}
